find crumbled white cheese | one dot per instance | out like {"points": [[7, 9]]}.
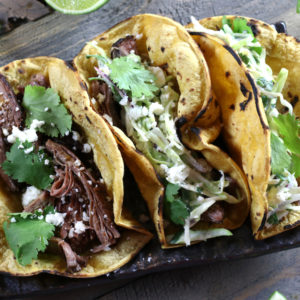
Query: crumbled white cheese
{"points": [[160, 80], [46, 162], [79, 227], [106, 248], [85, 217], [86, 148], [27, 151], [76, 136], [5, 131], [13, 220], [30, 194], [46, 108], [93, 101], [56, 219], [71, 233], [80, 200], [26, 135], [17, 108], [90, 182], [77, 163], [124, 100], [67, 132], [52, 176], [108, 118], [156, 108]]}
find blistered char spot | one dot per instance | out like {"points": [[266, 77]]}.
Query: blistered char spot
{"points": [[102, 38], [243, 89], [263, 222], [254, 28], [149, 48], [88, 119], [233, 53], [258, 214], [196, 130], [187, 79], [165, 66], [83, 85], [244, 104], [71, 99], [232, 107], [295, 101], [179, 75], [289, 226], [202, 111], [227, 74], [180, 122], [192, 89], [70, 65], [6, 68], [290, 95], [252, 177], [21, 71], [197, 33], [85, 108], [162, 49], [182, 101]]}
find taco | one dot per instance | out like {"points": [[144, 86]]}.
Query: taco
{"points": [[254, 72], [61, 177], [148, 79]]}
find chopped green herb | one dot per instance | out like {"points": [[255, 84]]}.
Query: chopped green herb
{"points": [[130, 75], [175, 208], [240, 26], [280, 159], [44, 105], [27, 235], [296, 165], [30, 167], [288, 128], [273, 219]]}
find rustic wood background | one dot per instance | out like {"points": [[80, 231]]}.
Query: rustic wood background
{"points": [[63, 36]]}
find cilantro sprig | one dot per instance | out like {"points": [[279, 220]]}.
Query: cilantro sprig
{"points": [[28, 167], [28, 234], [175, 208], [285, 148], [44, 105]]}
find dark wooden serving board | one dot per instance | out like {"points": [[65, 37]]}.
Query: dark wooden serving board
{"points": [[63, 36]]}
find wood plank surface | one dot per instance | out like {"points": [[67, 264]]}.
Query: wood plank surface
{"points": [[63, 36]]}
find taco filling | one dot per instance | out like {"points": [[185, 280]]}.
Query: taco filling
{"points": [[142, 99], [283, 192], [43, 157]]}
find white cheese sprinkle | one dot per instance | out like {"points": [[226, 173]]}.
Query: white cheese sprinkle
{"points": [[77, 163], [30, 194], [26, 135], [79, 227], [27, 151], [86, 148], [108, 118], [46, 162], [76, 136], [46, 108], [17, 108], [13, 220], [5, 131], [56, 219]]}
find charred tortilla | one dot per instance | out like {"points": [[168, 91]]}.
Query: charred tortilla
{"points": [[165, 45], [130, 236]]}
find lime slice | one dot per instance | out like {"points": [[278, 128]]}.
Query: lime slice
{"points": [[76, 7], [277, 296]]}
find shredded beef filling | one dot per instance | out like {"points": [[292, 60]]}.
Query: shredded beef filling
{"points": [[10, 115], [124, 47], [75, 191]]}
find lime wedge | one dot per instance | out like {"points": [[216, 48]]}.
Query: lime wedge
{"points": [[277, 296], [76, 7]]}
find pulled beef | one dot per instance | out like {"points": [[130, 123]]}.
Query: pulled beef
{"points": [[82, 198], [10, 115], [74, 261], [39, 79], [124, 47], [215, 214]]}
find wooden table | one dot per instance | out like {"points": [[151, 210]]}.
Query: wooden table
{"points": [[63, 36]]}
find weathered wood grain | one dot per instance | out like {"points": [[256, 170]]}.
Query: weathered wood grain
{"points": [[63, 36]]}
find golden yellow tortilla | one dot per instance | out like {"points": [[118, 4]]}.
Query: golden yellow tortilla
{"points": [[245, 125], [107, 157], [165, 42]]}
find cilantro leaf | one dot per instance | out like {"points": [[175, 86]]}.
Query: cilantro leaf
{"points": [[130, 75], [288, 127], [298, 7], [26, 237], [175, 209], [240, 26], [29, 168], [296, 165], [226, 21], [44, 105], [273, 219], [280, 159]]}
